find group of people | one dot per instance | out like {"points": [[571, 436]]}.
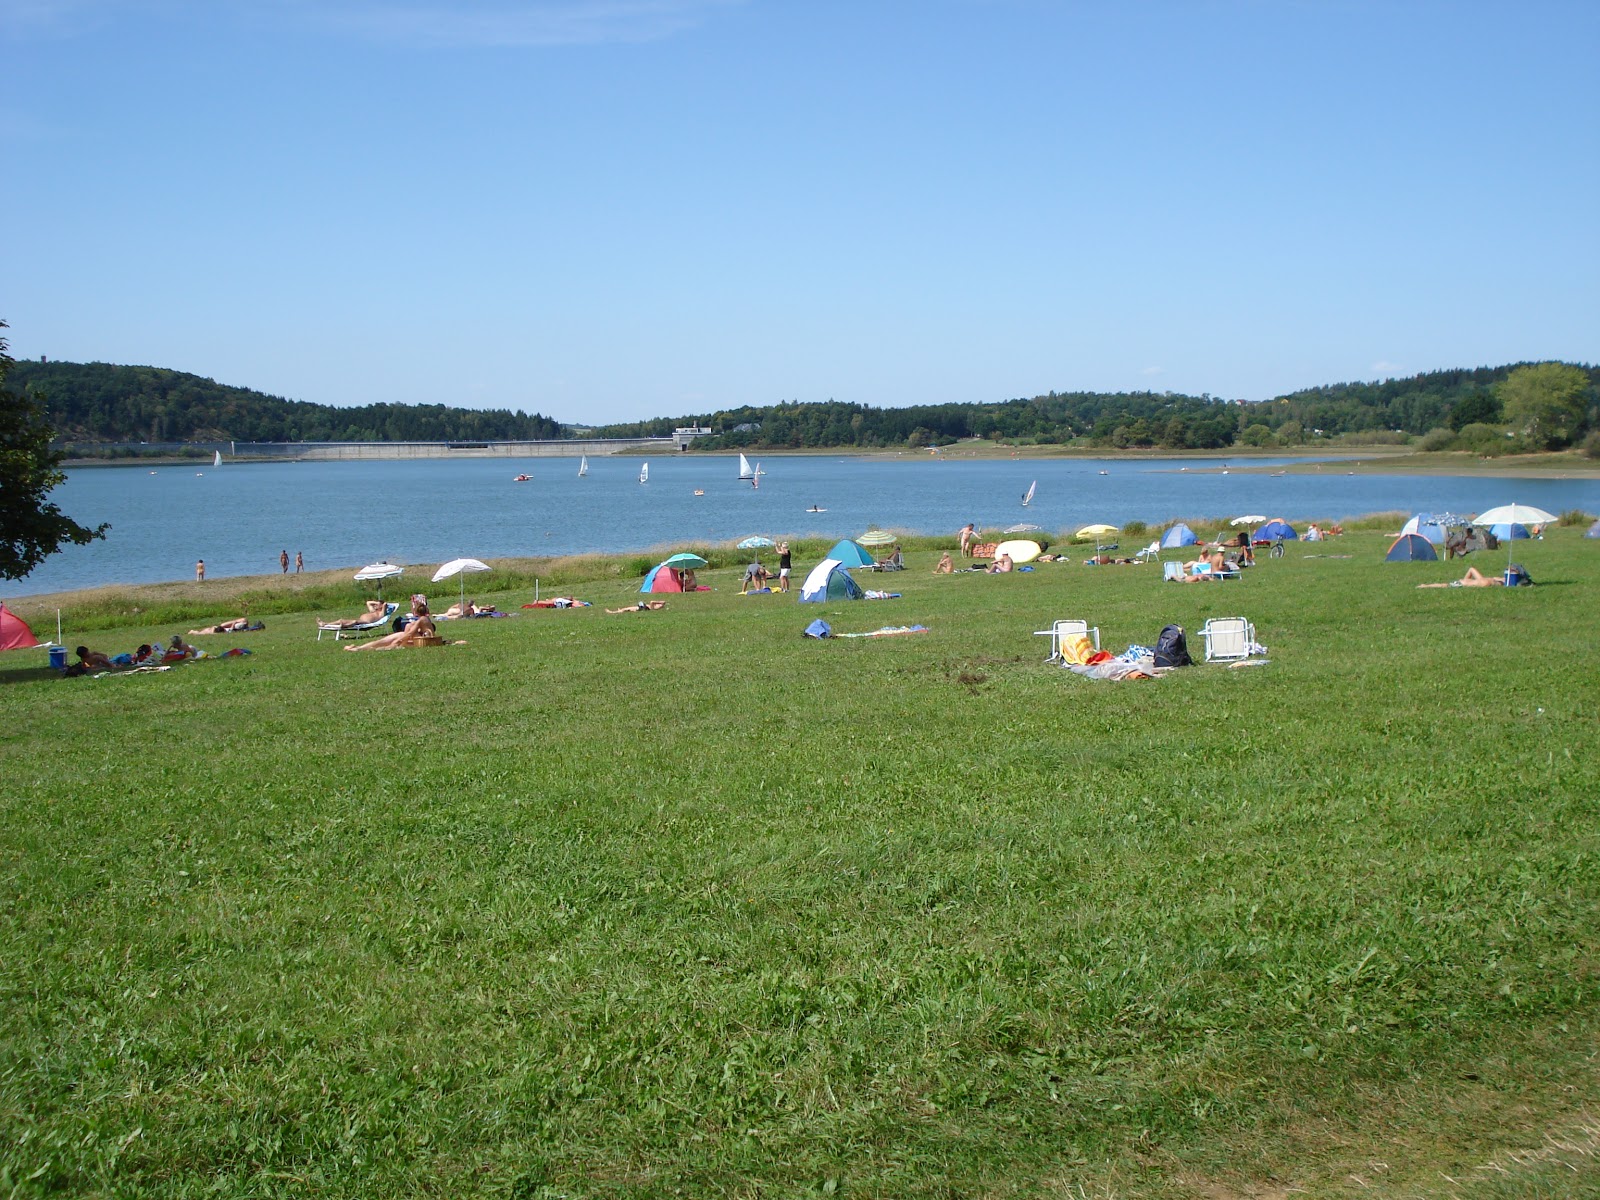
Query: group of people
{"points": [[149, 654], [758, 579], [283, 561]]}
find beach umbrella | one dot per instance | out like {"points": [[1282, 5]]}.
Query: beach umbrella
{"points": [[461, 567], [1096, 532], [685, 561], [754, 542], [1514, 514], [379, 572], [877, 537], [1250, 520]]}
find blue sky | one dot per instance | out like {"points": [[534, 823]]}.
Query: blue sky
{"points": [[617, 209]]}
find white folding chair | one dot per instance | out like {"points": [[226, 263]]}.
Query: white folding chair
{"points": [[1228, 638], [1061, 629], [1171, 571]]}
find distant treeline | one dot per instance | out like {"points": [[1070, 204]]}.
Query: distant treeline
{"points": [[102, 402]]}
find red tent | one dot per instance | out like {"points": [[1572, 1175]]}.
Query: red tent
{"points": [[14, 631]]}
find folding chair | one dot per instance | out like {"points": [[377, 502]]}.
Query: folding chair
{"points": [[1061, 629], [1228, 638], [1171, 571]]}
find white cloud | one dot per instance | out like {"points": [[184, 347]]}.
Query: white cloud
{"points": [[1154, 371], [1389, 369]]}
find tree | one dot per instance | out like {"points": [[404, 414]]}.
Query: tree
{"points": [[1546, 402], [31, 528]]}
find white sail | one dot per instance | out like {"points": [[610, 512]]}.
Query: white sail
{"points": [[755, 476], [583, 465], [216, 458], [644, 473], [744, 468], [1028, 498]]}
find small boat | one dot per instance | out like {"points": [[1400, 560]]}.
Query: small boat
{"points": [[1027, 497], [755, 477], [521, 479], [699, 491], [747, 473], [583, 466], [644, 473], [216, 458], [814, 508], [1105, 472]]}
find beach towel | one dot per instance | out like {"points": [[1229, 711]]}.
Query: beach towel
{"points": [[888, 631], [883, 595]]}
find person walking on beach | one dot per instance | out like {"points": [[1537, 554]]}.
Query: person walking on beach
{"points": [[283, 561], [784, 562], [299, 562], [200, 571], [967, 532]]}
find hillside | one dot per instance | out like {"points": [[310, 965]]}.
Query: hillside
{"points": [[104, 402]]}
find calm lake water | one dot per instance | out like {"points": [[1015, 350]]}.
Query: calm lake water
{"points": [[240, 515]]}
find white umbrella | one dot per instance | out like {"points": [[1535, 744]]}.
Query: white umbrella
{"points": [[379, 571], [1514, 514], [461, 567], [1250, 520]]}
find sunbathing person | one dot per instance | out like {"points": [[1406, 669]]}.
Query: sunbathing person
{"points": [[1473, 578], [420, 628], [1001, 565], [239, 625], [376, 611], [461, 609], [642, 606], [178, 649], [93, 660], [945, 566]]}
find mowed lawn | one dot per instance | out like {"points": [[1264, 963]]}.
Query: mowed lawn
{"points": [[683, 904]]}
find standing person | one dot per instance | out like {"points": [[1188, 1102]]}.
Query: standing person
{"points": [[784, 562], [200, 571], [283, 561], [967, 534], [299, 562]]}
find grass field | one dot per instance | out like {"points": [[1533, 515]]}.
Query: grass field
{"points": [[682, 904]]}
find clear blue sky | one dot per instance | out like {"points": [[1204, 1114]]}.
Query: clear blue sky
{"points": [[616, 209]]}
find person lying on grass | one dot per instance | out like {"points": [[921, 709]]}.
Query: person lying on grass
{"points": [[642, 606], [239, 625], [1473, 578], [93, 660], [421, 627]]}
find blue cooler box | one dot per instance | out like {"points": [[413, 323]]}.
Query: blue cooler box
{"points": [[58, 658]]}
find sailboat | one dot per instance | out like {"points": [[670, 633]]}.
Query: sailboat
{"points": [[1027, 497], [583, 465], [216, 458], [644, 473], [746, 474], [755, 476]]}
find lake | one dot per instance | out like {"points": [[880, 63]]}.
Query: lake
{"points": [[240, 515]]}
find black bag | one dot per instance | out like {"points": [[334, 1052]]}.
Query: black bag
{"points": [[1172, 648]]}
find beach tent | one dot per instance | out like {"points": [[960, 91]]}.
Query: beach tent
{"points": [[1179, 535], [661, 578], [1509, 532], [829, 581], [1411, 547], [1426, 525], [1594, 530], [14, 631], [1275, 529], [851, 554]]}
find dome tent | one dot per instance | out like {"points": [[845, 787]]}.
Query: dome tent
{"points": [[1411, 547], [829, 581]]}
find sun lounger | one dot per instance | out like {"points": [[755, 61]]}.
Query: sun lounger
{"points": [[1062, 629], [360, 629]]}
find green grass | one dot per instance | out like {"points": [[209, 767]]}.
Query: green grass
{"points": [[680, 903]]}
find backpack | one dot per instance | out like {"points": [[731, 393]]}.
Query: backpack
{"points": [[1172, 648]]}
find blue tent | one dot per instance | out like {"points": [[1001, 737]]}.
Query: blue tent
{"points": [[1426, 525], [1411, 547], [850, 554], [1179, 535], [829, 581], [1275, 529], [1509, 533]]}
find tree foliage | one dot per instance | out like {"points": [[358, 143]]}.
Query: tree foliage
{"points": [[1547, 403], [31, 527], [104, 402]]}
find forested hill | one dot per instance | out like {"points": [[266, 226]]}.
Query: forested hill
{"points": [[1450, 400], [104, 402]]}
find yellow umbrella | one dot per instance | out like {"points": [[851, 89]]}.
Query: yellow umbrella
{"points": [[877, 537], [1094, 531]]}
